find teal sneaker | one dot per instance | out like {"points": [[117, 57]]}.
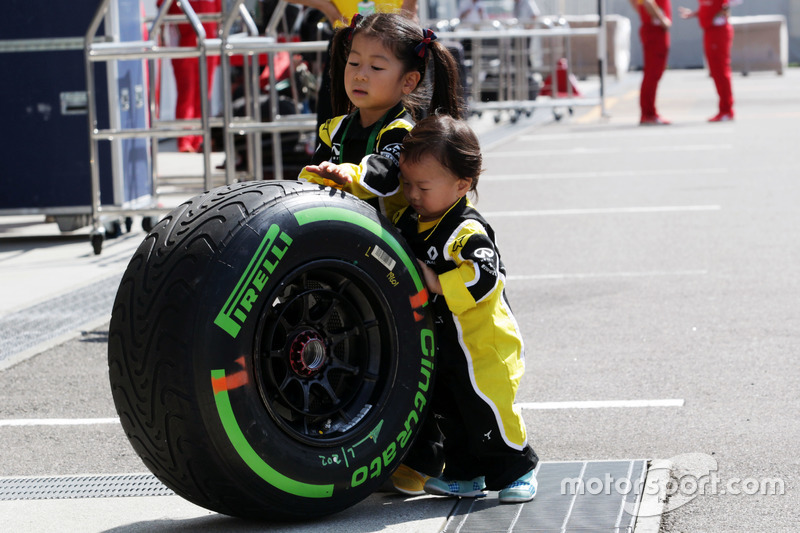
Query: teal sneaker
{"points": [[443, 486], [520, 491]]}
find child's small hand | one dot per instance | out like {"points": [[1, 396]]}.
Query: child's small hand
{"points": [[431, 278], [336, 173]]}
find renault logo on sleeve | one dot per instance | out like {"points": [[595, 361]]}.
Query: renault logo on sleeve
{"points": [[433, 253]]}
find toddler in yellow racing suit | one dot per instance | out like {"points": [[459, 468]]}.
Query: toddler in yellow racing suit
{"points": [[479, 352]]}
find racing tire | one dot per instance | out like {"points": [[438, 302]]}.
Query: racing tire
{"points": [[271, 350]]}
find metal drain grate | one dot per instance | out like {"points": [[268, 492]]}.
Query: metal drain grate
{"points": [[579, 497], [67, 487], [576, 497], [63, 314]]}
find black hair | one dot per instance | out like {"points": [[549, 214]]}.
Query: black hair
{"points": [[450, 141], [404, 38]]}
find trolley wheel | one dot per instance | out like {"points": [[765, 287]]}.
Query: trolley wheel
{"points": [[557, 115], [128, 224], [270, 350], [96, 239], [147, 224], [114, 229]]}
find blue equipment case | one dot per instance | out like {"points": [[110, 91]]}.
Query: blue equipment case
{"points": [[44, 167]]}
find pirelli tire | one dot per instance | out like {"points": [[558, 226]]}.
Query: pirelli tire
{"points": [[270, 350]]}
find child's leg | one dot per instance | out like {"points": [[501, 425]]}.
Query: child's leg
{"points": [[472, 420], [426, 454]]}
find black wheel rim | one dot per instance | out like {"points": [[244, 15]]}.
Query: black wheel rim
{"points": [[325, 352]]}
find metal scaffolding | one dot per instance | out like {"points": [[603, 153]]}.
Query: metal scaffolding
{"points": [[499, 63]]}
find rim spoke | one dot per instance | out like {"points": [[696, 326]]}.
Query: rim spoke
{"points": [[325, 384], [341, 336], [325, 312], [287, 379], [344, 415], [345, 282], [306, 396], [305, 300], [285, 324], [338, 364]]}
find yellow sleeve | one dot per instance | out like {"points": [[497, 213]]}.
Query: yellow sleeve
{"points": [[468, 283], [313, 177], [354, 187], [326, 131], [454, 288]]}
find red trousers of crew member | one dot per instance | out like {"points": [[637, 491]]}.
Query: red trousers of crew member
{"points": [[187, 82], [717, 42], [655, 47]]}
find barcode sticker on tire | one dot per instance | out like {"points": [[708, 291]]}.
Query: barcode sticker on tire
{"points": [[384, 258]]}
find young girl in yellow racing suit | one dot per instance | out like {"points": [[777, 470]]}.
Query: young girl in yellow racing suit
{"points": [[480, 357], [377, 64]]}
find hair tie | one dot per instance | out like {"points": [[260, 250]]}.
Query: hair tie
{"points": [[428, 37], [353, 23]]}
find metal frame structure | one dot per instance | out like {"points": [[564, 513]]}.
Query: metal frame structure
{"points": [[512, 93], [109, 48], [226, 45], [513, 68]]}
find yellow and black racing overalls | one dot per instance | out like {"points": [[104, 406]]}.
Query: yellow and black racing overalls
{"points": [[371, 155], [479, 355]]}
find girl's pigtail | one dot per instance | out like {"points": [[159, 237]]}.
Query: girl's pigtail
{"points": [[338, 53], [446, 94], [340, 48]]}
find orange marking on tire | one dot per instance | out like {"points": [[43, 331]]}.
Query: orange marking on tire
{"points": [[419, 299], [219, 384], [237, 380], [233, 381]]}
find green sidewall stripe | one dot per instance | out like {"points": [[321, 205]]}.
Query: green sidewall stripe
{"points": [[251, 457], [327, 214]]}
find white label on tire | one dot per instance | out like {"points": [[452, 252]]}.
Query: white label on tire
{"points": [[384, 258]]}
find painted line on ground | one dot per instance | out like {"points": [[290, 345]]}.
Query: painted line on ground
{"points": [[27, 422], [604, 174], [603, 211], [600, 275], [637, 132], [591, 404], [683, 148], [595, 114], [599, 404]]}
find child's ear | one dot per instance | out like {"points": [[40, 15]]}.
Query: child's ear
{"points": [[410, 81], [464, 184]]}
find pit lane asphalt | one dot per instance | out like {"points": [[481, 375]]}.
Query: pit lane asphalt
{"points": [[644, 263]]}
